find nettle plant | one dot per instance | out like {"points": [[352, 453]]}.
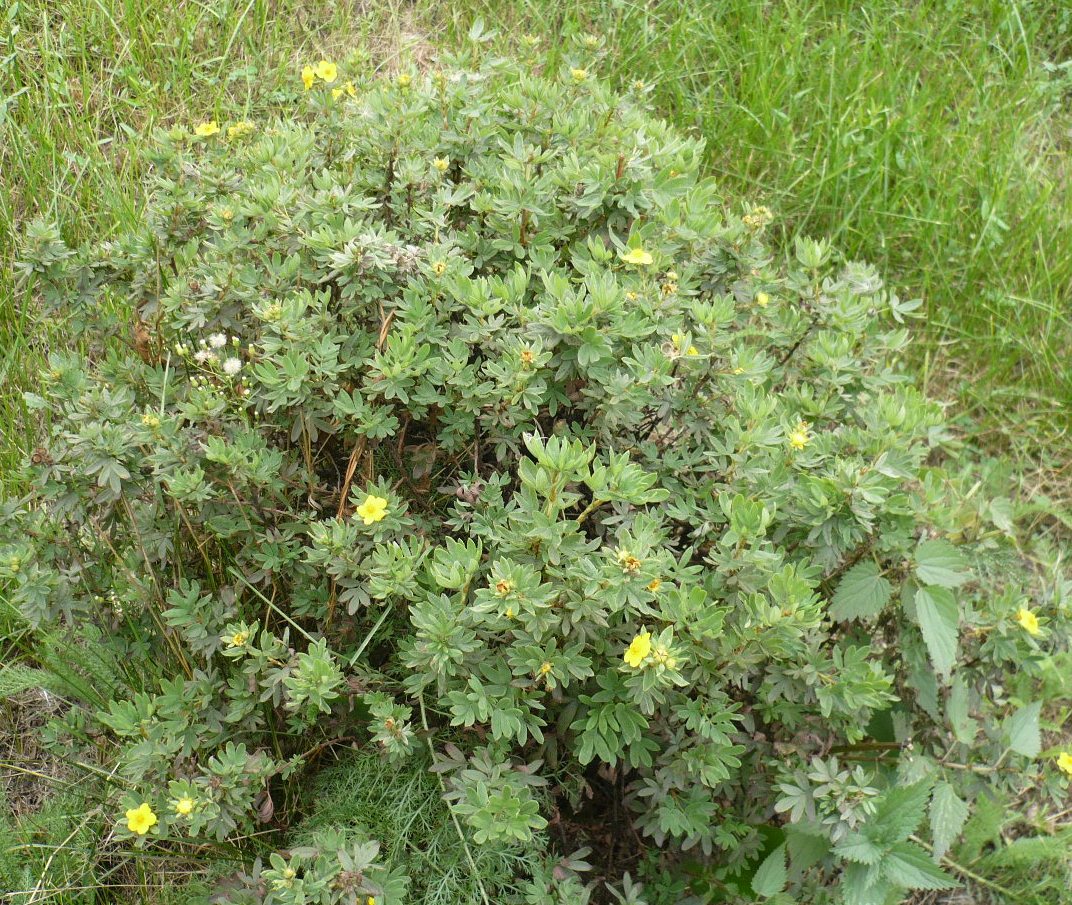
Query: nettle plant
{"points": [[461, 413]]}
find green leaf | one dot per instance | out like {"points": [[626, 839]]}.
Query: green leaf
{"points": [[948, 814], [939, 562], [861, 593], [805, 849], [1023, 731], [899, 813], [771, 877], [858, 848], [939, 617], [909, 866]]}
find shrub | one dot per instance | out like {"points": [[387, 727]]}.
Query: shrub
{"points": [[459, 411]]}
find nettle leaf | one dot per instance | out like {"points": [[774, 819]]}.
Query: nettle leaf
{"points": [[771, 877], [861, 593], [939, 562], [859, 848], [1023, 731], [899, 812], [939, 619], [948, 815], [908, 865]]}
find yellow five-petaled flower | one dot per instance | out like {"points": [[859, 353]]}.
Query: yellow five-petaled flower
{"points": [[373, 509], [1028, 621], [442, 164], [1064, 762], [327, 71], [141, 819], [204, 130], [638, 650], [184, 806], [762, 299], [238, 639], [637, 256], [800, 436]]}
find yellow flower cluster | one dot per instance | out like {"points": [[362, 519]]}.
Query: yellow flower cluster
{"points": [[1064, 762], [348, 89], [325, 70]]}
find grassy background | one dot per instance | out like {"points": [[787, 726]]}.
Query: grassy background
{"points": [[929, 137]]}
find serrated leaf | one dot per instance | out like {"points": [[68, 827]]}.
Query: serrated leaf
{"points": [[858, 848], [862, 885], [861, 593], [939, 562], [939, 620], [948, 815], [909, 866], [771, 877], [899, 813], [1023, 730]]}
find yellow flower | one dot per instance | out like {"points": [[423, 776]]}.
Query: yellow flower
{"points": [[327, 71], [545, 668], [509, 614], [527, 357], [628, 561], [150, 420], [239, 129], [638, 650], [405, 80], [503, 587], [1028, 621], [579, 75], [655, 584], [691, 351], [637, 256], [439, 268], [184, 806], [799, 437], [238, 639], [371, 900], [373, 509], [141, 819], [441, 164], [762, 299], [348, 89], [1064, 762], [308, 76], [204, 130]]}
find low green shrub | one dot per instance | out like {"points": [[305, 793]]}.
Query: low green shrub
{"points": [[460, 412]]}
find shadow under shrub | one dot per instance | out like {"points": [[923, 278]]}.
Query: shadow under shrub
{"points": [[460, 412]]}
